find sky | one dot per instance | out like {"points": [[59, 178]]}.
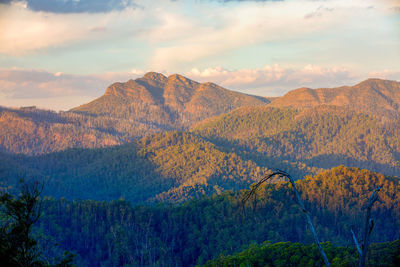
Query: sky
{"points": [[58, 54]]}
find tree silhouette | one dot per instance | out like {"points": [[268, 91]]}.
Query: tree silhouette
{"points": [[18, 214], [368, 226]]}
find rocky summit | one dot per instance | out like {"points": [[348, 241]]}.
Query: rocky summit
{"points": [[169, 102]]}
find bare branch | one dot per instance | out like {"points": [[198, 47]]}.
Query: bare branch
{"points": [[356, 242], [369, 225], [299, 202], [253, 190]]}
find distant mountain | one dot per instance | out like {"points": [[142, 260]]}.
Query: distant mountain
{"points": [[322, 136], [374, 96], [127, 111], [168, 102]]}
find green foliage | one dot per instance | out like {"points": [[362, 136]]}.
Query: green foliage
{"points": [[116, 233], [296, 254], [17, 216], [18, 247]]}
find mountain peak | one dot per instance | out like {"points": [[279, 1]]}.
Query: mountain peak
{"points": [[178, 77], [182, 80], [166, 103], [155, 76]]}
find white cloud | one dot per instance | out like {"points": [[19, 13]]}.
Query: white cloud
{"points": [[176, 35], [276, 80], [386, 74], [26, 31], [228, 28]]}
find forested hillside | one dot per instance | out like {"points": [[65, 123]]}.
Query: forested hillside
{"points": [[116, 233], [172, 166], [323, 137]]}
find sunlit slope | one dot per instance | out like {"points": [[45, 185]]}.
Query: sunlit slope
{"points": [[173, 101], [323, 136]]}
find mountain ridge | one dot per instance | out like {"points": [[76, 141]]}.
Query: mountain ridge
{"points": [[174, 101], [374, 96]]}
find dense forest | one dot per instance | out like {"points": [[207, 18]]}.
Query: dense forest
{"points": [[117, 233], [171, 166], [323, 137]]}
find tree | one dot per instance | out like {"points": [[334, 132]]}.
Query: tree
{"points": [[18, 214], [369, 225]]}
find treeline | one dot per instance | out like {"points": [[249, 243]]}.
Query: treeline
{"points": [[323, 137], [284, 254], [117, 233]]}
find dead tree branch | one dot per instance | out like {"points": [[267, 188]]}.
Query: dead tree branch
{"points": [[299, 202], [368, 226]]}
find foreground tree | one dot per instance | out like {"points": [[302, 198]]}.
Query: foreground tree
{"points": [[18, 214]]}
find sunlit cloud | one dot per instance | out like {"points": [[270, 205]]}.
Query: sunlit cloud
{"points": [[386, 74], [19, 83], [59, 91], [276, 80], [26, 31]]}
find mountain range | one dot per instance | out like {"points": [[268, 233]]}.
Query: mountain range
{"points": [[156, 103], [191, 148], [225, 140]]}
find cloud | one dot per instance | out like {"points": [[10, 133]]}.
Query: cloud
{"points": [[181, 40], [30, 84], [318, 12], [74, 6], [25, 31], [275, 80], [385, 74], [59, 91], [227, 1]]}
